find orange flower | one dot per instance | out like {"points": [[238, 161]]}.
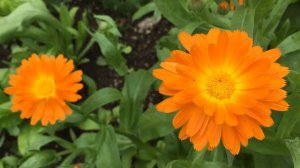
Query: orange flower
{"points": [[241, 2], [224, 5], [232, 6], [42, 86], [222, 88]]}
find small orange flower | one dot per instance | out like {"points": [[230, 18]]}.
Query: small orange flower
{"points": [[224, 5], [241, 2], [222, 88], [42, 86], [232, 6]]}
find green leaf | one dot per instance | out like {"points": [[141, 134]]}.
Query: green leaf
{"points": [[278, 10], [86, 140], [110, 24], [11, 161], [269, 146], [269, 20], [88, 125], [190, 28], [23, 16], [294, 147], [135, 90], [291, 60], [281, 33], [290, 117], [7, 118], [90, 82], [262, 8], [108, 153], [7, 6], [64, 16], [179, 164], [290, 44], [271, 161], [243, 19], [202, 164], [99, 99], [31, 138], [153, 124], [174, 12], [41, 159], [111, 53], [150, 7]]}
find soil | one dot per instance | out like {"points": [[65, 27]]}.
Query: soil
{"points": [[141, 39]]}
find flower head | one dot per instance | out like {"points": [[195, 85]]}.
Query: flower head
{"points": [[42, 86], [224, 5], [222, 88]]}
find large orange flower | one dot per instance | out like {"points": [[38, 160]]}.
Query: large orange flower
{"points": [[222, 88], [42, 86]]}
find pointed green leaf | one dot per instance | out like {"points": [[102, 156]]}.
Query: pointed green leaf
{"points": [[99, 99], [153, 124], [243, 19], [41, 159], [290, 44], [143, 11], [111, 53], [294, 147], [108, 152], [31, 138], [174, 12], [270, 146], [290, 117], [135, 90]]}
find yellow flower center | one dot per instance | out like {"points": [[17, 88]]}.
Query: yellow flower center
{"points": [[220, 86], [45, 87]]}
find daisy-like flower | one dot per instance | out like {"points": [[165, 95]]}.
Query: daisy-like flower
{"points": [[222, 88], [42, 86]]}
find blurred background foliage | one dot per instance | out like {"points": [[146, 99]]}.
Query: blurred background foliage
{"points": [[117, 125]]}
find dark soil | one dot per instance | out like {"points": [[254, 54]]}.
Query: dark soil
{"points": [[143, 54], [142, 42], [5, 52]]}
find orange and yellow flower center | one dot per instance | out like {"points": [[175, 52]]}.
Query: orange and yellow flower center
{"points": [[45, 87], [220, 86]]}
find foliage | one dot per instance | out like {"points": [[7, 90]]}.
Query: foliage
{"points": [[118, 127]]}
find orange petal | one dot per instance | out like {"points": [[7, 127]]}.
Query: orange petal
{"points": [[196, 121], [220, 114], [215, 135], [182, 117], [272, 54], [167, 106], [278, 105], [38, 112], [182, 133], [186, 40], [166, 91]]}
